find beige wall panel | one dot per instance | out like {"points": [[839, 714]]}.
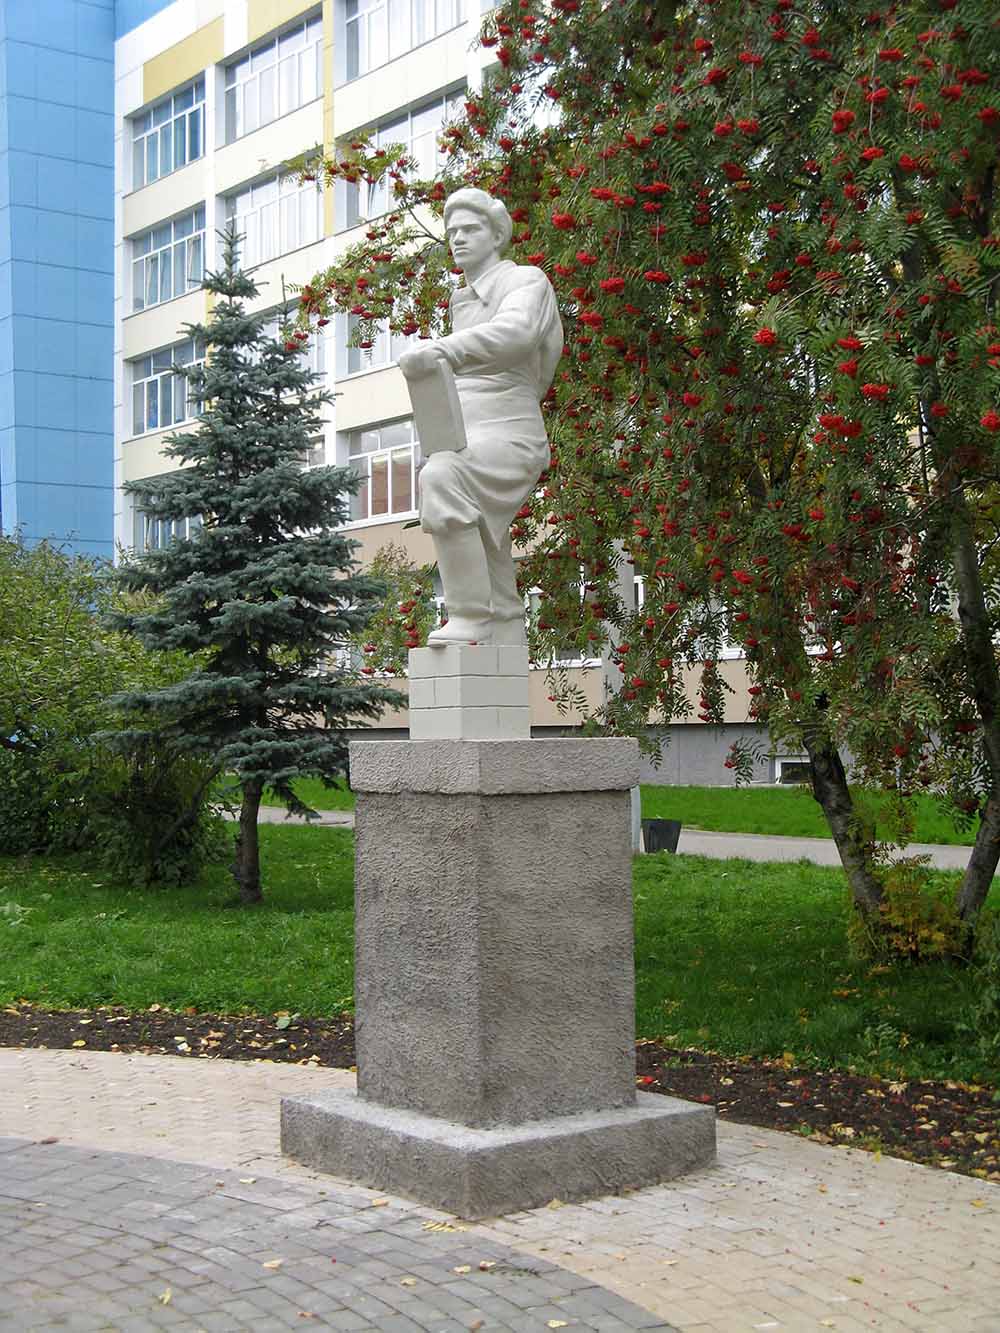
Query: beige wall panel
{"points": [[177, 193], [263, 16], [297, 266], [417, 544], [379, 395], [268, 148], [544, 713], [411, 78], [734, 672], [143, 456], [183, 61], [161, 325]]}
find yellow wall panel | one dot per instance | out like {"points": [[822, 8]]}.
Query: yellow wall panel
{"points": [[263, 16], [329, 221], [184, 60]]}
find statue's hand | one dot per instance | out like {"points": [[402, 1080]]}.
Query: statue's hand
{"points": [[418, 361]]}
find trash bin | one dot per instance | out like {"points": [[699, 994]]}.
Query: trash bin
{"points": [[660, 835]]}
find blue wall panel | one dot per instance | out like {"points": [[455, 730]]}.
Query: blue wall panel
{"points": [[56, 268]]}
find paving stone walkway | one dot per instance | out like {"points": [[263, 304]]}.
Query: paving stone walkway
{"points": [[782, 1235], [104, 1240]]}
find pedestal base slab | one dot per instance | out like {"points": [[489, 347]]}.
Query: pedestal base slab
{"points": [[477, 1173]]}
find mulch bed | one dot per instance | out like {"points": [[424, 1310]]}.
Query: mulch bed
{"points": [[955, 1126]]}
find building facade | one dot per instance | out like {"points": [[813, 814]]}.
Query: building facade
{"points": [[211, 98]]}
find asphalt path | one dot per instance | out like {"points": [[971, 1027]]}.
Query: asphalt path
{"points": [[699, 842]]}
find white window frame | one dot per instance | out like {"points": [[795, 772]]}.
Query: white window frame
{"points": [[177, 251], [153, 378], [384, 351], [274, 78], [362, 202], [378, 31], [780, 762], [153, 534], [362, 462], [177, 120], [313, 351], [264, 213]]}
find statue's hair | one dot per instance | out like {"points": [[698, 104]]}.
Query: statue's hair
{"points": [[478, 201]]}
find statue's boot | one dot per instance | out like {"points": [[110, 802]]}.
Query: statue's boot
{"points": [[466, 579], [507, 602]]}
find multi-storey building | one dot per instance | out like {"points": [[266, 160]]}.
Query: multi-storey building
{"points": [[212, 97]]}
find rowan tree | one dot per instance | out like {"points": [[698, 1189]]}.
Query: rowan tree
{"points": [[773, 234], [265, 589]]}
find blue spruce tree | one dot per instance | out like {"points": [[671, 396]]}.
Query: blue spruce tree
{"points": [[265, 588]]}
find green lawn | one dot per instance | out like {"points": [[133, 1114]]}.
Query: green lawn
{"points": [[734, 956], [791, 811], [781, 810]]}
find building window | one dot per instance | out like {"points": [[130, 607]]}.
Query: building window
{"points": [[313, 355], [386, 459], [385, 348], [169, 260], [378, 31], [274, 78], [169, 135], [153, 534], [418, 130], [159, 397], [275, 216]]}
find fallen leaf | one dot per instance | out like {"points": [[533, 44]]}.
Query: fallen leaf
{"points": [[248, 1180], [81, 1042], [273, 1263], [822, 1188], [165, 1297], [408, 1282], [557, 1323], [442, 1226], [858, 1280], [555, 1203], [979, 1203]]}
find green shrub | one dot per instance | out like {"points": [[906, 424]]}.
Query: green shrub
{"points": [[914, 922], [984, 1024]]}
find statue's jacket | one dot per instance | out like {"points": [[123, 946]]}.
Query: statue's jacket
{"points": [[506, 341]]}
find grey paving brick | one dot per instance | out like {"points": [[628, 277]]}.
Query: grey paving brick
{"points": [[122, 1230]]}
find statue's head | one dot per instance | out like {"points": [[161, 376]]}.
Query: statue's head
{"points": [[477, 227]]}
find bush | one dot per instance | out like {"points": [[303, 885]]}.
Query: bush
{"points": [[913, 924], [148, 819], [62, 787], [984, 1025]]}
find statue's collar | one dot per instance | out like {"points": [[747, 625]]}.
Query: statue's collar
{"points": [[484, 284]]}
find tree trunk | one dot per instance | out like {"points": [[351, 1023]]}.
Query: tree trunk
{"points": [[246, 867], [984, 681], [829, 785]]}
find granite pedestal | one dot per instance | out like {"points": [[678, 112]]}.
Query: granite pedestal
{"points": [[494, 984]]}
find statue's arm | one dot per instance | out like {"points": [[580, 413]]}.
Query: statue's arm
{"points": [[510, 335]]}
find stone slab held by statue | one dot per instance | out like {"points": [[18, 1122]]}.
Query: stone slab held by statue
{"points": [[505, 343]]}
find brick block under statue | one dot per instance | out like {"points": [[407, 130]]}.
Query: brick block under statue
{"points": [[468, 692], [494, 983]]}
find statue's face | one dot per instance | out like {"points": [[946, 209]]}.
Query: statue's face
{"points": [[471, 238]]}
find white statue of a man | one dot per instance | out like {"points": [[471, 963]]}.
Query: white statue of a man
{"points": [[506, 341]]}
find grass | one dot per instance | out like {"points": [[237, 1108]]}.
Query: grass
{"points": [[85, 940], [734, 956], [788, 811]]}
